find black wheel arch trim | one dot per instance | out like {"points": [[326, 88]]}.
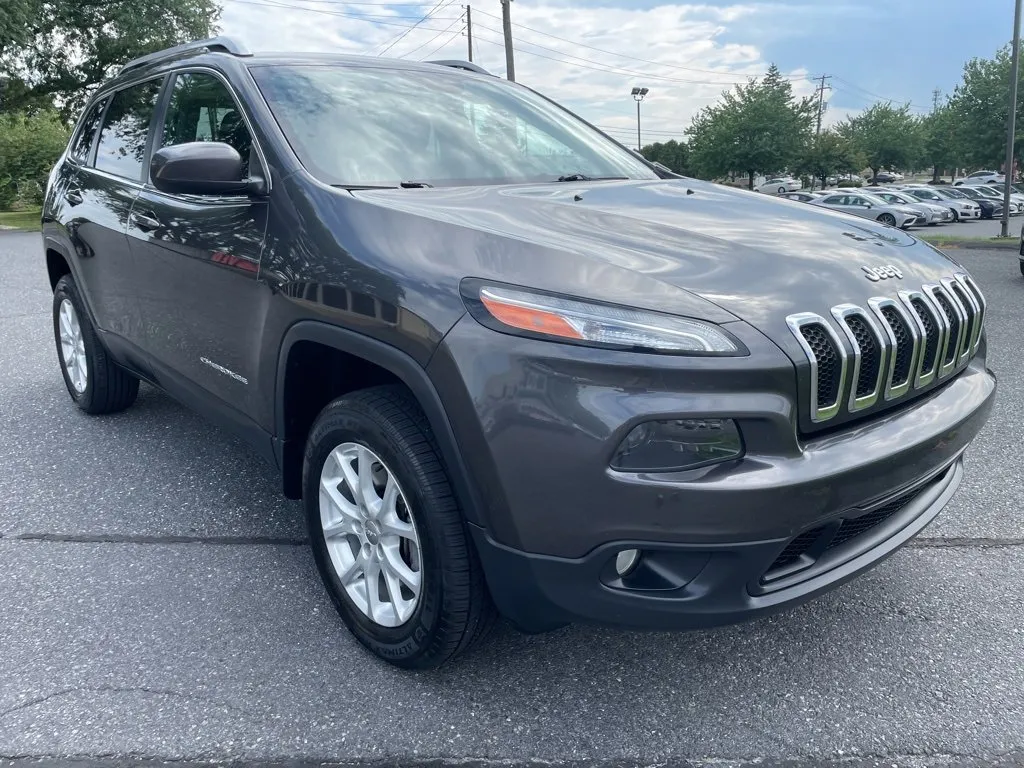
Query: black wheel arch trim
{"points": [[407, 370]]}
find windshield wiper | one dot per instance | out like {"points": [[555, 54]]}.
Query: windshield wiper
{"points": [[364, 186], [583, 177], [415, 185]]}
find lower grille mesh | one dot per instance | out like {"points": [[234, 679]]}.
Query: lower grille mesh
{"points": [[849, 529]]}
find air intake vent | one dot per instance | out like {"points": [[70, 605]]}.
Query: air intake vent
{"points": [[932, 336], [904, 346], [829, 364], [870, 356]]}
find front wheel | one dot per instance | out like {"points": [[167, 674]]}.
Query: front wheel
{"points": [[387, 533], [956, 216], [888, 219], [782, 190]]}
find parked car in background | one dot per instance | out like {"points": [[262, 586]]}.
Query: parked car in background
{"points": [[931, 213], [989, 208], [868, 206], [803, 197], [981, 177], [779, 185], [963, 209], [885, 177], [994, 194]]}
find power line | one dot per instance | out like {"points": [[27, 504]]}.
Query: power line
{"points": [[613, 53], [428, 42], [402, 36], [598, 66], [368, 18], [458, 32], [877, 96]]}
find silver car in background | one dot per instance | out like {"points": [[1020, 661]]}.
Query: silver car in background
{"points": [[868, 206], [931, 213], [963, 208], [995, 194]]}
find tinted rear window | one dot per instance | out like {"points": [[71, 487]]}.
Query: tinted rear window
{"points": [[122, 144]]}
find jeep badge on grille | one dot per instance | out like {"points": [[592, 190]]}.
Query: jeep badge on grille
{"points": [[874, 274]]}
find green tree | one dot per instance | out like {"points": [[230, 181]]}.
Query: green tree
{"points": [[29, 146], [756, 128], [944, 145], [981, 109], [675, 155], [887, 137], [55, 51], [826, 154]]}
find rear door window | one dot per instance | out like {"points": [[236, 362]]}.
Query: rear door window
{"points": [[122, 146], [81, 145]]}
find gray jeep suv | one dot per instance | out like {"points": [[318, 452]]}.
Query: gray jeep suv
{"points": [[507, 365]]}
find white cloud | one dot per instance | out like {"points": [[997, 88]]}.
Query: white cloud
{"points": [[682, 58]]}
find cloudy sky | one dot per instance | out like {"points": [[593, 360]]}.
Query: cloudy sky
{"points": [[588, 54]]}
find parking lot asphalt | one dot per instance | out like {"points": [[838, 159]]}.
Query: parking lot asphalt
{"points": [[156, 602]]}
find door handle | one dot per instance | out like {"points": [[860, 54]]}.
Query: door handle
{"points": [[74, 196], [142, 221]]}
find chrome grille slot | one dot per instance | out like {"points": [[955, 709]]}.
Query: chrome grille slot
{"points": [[869, 354], [889, 348], [827, 357], [932, 332]]}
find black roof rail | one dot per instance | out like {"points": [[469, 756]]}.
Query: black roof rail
{"points": [[457, 64], [219, 44]]}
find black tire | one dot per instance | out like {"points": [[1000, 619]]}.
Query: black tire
{"points": [[956, 216], [888, 219], [454, 609], [782, 190], [1021, 267], [108, 387]]}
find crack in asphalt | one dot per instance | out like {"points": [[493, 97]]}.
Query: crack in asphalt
{"points": [[115, 689]]}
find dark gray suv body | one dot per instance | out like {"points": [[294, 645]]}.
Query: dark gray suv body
{"points": [[494, 375]]}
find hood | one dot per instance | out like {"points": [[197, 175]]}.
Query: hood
{"points": [[759, 258]]}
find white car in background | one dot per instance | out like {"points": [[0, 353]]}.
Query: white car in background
{"points": [[868, 206], [963, 208], [981, 177], [779, 185]]}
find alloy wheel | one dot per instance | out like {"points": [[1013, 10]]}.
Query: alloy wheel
{"points": [[371, 535], [72, 347]]}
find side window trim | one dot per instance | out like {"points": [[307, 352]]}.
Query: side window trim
{"points": [[240, 105], [103, 101], [156, 129]]}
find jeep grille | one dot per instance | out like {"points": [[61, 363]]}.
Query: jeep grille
{"points": [[891, 348]]}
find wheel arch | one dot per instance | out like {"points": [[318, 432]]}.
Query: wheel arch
{"points": [[289, 442]]}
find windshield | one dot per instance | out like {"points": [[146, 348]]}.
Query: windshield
{"points": [[873, 199], [895, 199], [971, 193], [986, 192], [956, 193], [356, 126]]}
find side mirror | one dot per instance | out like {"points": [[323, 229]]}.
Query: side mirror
{"points": [[200, 168]]}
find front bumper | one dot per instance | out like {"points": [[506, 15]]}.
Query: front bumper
{"points": [[537, 424]]}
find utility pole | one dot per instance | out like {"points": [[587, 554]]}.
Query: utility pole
{"points": [[821, 99], [1011, 125], [469, 30], [936, 94], [506, 23]]}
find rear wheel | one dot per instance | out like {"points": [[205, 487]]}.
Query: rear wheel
{"points": [[94, 381], [782, 190], [888, 219], [387, 533]]}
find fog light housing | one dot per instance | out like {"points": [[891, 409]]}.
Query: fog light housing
{"points": [[626, 561], [678, 444]]}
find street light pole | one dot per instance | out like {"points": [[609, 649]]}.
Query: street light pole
{"points": [[638, 96], [1011, 124]]}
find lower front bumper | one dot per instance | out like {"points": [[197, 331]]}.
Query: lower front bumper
{"points": [[684, 586]]}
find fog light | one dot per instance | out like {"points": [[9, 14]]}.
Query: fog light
{"points": [[626, 561], [672, 445]]}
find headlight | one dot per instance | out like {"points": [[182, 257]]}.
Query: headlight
{"points": [[558, 318]]}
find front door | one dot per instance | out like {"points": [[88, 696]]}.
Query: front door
{"points": [[200, 296]]}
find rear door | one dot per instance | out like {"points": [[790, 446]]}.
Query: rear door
{"points": [[199, 255], [100, 196]]}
